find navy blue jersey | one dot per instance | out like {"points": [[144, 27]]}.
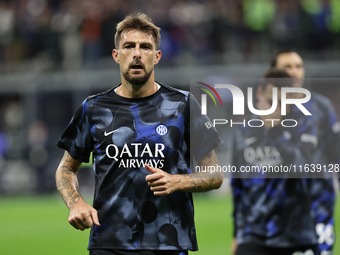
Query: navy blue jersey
{"points": [[327, 154], [124, 134], [273, 212], [319, 193], [327, 127]]}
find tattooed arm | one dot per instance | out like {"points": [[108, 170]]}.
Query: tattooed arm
{"points": [[161, 183], [82, 215]]}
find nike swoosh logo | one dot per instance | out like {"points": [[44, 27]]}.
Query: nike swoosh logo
{"points": [[250, 140], [307, 138], [109, 133]]}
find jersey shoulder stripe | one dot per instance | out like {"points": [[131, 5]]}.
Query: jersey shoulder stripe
{"points": [[183, 92]]}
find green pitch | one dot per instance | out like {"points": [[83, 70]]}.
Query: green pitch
{"points": [[38, 225]]}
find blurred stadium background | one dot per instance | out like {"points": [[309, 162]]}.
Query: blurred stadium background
{"points": [[54, 53]]}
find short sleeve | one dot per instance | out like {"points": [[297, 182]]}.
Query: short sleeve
{"points": [[203, 135], [76, 138]]}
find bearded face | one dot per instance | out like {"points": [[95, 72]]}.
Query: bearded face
{"points": [[136, 56], [136, 74]]}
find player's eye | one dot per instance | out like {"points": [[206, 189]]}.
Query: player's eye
{"points": [[128, 46], [146, 46]]}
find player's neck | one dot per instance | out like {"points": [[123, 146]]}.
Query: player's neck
{"points": [[129, 90]]}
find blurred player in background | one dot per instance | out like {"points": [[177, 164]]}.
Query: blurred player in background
{"points": [[272, 213], [139, 134], [327, 127]]}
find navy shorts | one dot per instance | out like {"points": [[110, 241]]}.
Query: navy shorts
{"points": [[126, 252]]}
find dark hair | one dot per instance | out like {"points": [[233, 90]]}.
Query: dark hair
{"points": [[141, 22], [273, 61], [278, 78]]}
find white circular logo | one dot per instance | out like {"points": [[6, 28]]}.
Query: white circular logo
{"points": [[161, 129]]}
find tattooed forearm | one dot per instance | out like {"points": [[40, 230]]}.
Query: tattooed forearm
{"points": [[207, 180], [66, 180], [201, 182]]}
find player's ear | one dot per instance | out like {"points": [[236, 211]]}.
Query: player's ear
{"points": [[157, 57], [115, 55]]}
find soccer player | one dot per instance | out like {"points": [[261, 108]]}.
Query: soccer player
{"points": [[272, 213], [325, 121], [139, 134]]}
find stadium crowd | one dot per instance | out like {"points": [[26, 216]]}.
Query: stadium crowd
{"points": [[73, 34]]}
